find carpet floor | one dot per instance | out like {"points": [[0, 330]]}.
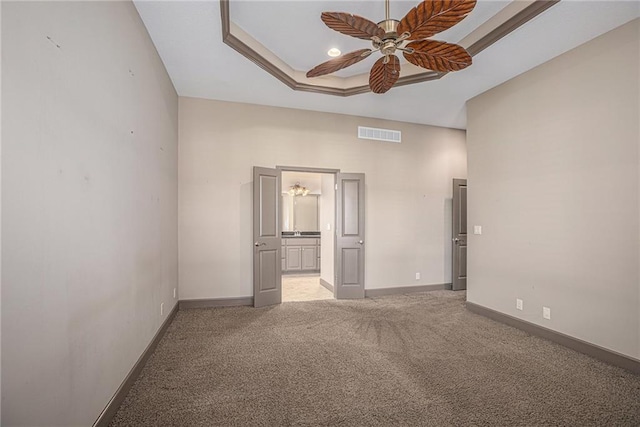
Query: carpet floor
{"points": [[417, 359]]}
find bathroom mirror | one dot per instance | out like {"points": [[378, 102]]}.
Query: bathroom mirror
{"points": [[300, 213]]}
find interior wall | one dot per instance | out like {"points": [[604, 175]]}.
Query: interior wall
{"points": [[554, 182], [327, 227], [0, 217], [89, 199], [407, 191]]}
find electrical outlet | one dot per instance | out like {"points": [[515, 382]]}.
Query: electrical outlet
{"points": [[417, 276], [161, 308], [175, 292], [546, 313], [518, 303]]}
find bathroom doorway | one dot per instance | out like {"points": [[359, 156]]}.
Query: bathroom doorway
{"points": [[308, 222], [343, 269]]}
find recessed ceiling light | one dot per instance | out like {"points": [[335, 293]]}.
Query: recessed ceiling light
{"points": [[334, 52]]}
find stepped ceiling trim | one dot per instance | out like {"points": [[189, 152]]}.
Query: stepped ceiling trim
{"points": [[509, 19]]}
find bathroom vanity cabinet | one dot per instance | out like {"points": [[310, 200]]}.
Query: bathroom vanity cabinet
{"points": [[300, 254]]}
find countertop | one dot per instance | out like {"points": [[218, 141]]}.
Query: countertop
{"points": [[303, 234]]}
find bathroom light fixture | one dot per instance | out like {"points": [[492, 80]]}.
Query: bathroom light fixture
{"points": [[333, 52], [298, 190]]}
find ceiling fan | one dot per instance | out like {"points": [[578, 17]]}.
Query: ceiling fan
{"points": [[423, 21]]}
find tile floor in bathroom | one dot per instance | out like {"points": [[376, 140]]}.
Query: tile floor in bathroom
{"points": [[304, 288]]}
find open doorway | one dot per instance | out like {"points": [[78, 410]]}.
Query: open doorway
{"points": [[308, 222], [345, 267]]}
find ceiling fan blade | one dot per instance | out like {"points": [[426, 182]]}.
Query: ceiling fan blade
{"points": [[438, 56], [384, 76], [339, 63], [351, 25], [433, 16]]}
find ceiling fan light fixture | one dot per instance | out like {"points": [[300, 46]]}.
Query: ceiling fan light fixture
{"points": [[333, 52], [428, 18]]}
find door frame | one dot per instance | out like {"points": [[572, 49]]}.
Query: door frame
{"points": [[330, 171]]}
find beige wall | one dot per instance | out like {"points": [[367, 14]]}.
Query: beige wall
{"points": [[0, 217], [554, 181], [89, 199], [408, 187]]}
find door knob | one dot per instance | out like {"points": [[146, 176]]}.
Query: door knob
{"points": [[361, 242], [456, 240], [259, 244]]}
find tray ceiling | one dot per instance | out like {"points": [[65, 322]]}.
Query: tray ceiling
{"points": [[188, 36]]}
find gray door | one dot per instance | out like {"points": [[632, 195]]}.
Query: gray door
{"points": [[267, 264], [459, 274], [350, 241]]}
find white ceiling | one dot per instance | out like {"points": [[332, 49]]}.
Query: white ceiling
{"points": [[187, 35]]}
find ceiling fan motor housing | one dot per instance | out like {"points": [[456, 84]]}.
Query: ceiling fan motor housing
{"points": [[389, 42], [390, 27]]}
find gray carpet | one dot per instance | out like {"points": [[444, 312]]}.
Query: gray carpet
{"points": [[406, 360]]}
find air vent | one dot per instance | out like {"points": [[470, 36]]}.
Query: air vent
{"points": [[386, 135]]}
